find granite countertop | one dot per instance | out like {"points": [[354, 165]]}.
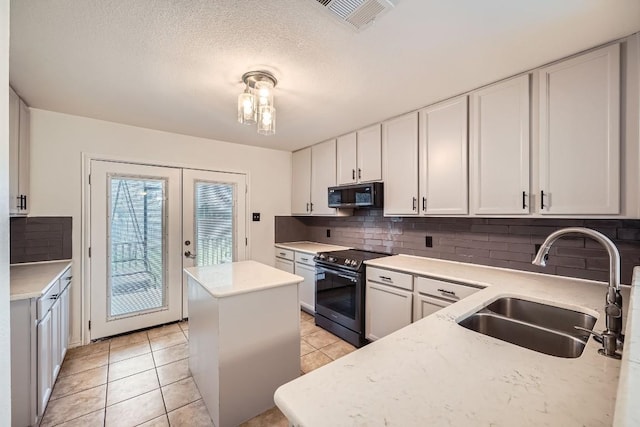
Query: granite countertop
{"points": [[31, 280], [224, 280], [310, 247], [435, 372]]}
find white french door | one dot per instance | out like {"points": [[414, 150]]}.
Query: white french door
{"points": [[214, 228], [136, 226], [147, 223]]}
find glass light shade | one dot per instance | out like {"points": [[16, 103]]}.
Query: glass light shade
{"points": [[246, 108], [264, 93], [266, 120]]}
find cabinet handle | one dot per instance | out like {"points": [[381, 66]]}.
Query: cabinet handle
{"points": [[283, 253], [304, 259], [359, 173], [414, 203], [353, 174], [388, 279], [541, 199], [311, 206], [25, 202], [448, 293], [69, 278], [307, 207], [54, 296], [424, 203], [19, 205], [524, 200]]}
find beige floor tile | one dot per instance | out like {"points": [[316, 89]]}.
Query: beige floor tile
{"points": [[75, 405], [338, 349], [186, 334], [161, 421], [128, 351], [168, 340], [269, 418], [305, 317], [79, 382], [173, 372], [306, 348], [131, 366], [94, 419], [87, 350], [171, 354], [194, 414], [313, 361], [184, 325], [321, 338], [132, 386], [129, 339], [164, 330], [180, 393], [136, 410], [307, 328], [73, 366]]}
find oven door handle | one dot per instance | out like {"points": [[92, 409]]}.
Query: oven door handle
{"points": [[344, 276]]}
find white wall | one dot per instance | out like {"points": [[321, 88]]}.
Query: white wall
{"points": [[5, 365], [58, 141]]}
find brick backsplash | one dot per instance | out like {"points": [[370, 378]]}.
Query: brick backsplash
{"points": [[40, 239], [499, 242]]}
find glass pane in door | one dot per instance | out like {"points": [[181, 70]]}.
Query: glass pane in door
{"points": [[214, 225], [136, 246]]}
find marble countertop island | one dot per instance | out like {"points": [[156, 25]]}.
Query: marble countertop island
{"points": [[31, 280], [436, 372]]}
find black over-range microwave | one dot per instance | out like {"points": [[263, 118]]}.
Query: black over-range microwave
{"points": [[356, 196]]}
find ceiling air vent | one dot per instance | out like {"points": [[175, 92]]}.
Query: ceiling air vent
{"points": [[358, 14]]}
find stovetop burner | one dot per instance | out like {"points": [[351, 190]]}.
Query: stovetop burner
{"points": [[351, 259]]}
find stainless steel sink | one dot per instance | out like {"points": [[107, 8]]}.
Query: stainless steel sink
{"points": [[539, 327]]}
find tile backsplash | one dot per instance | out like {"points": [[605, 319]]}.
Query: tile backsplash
{"points": [[499, 242], [40, 239]]}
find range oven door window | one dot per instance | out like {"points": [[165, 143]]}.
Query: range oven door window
{"points": [[339, 297]]}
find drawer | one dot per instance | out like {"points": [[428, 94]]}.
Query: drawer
{"points": [[284, 253], [391, 278], [305, 258], [46, 301], [443, 289], [65, 279]]}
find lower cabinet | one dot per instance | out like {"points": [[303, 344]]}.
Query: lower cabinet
{"points": [[388, 309], [39, 341], [306, 267]]}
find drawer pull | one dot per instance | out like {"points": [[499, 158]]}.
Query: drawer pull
{"points": [[69, 278], [388, 279], [54, 296], [283, 254], [448, 293], [304, 259]]}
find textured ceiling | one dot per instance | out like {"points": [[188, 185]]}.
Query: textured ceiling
{"points": [[176, 65]]}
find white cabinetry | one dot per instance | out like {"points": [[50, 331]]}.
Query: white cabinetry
{"points": [[579, 101], [306, 267], [39, 341], [499, 148], [400, 165], [433, 295], [388, 301], [284, 260], [301, 182], [18, 155], [359, 156], [323, 176], [443, 158]]}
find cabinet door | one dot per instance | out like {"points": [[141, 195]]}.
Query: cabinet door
{"points": [[387, 310], [443, 158], [56, 339], [323, 176], [426, 306], [346, 159], [23, 154], [284, 265], [499, 148], [369, 154], [579, 134], [14, 152], [45, 378], [400, 165], [301, 182], [307, 290], [64, 323]]}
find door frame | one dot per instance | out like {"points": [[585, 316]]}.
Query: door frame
{"points": [[85, 223]]}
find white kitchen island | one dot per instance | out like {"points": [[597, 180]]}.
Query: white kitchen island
{"points": [[244, 337]]}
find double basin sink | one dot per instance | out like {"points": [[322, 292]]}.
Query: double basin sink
{"points": [[539, 327]]}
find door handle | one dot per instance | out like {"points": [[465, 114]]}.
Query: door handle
{"points": [[353, 174], [188, 254], [359, 173]]}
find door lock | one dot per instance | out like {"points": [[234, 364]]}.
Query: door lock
{"points": [[188, 254]]}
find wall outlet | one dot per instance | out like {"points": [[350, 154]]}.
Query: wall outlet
{"points": [[328, 232], [536, 248], [256, 216], [428, 241]]}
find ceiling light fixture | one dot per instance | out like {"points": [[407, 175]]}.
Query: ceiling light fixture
{"points": [[255, 104]]}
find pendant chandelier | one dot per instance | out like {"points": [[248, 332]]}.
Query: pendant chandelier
{"points": [[255, 104]]}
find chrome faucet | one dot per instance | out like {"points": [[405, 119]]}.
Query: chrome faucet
{"points": [[612, 337]]}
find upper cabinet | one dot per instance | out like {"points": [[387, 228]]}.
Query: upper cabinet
{"points": [[579, 106], [443, 158], [400, 165], [499, 148], [301, 182], [323, 176], [18, 155], [359, 156]]}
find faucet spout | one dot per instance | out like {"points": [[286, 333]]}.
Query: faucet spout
{"points": [[613, 307]]}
